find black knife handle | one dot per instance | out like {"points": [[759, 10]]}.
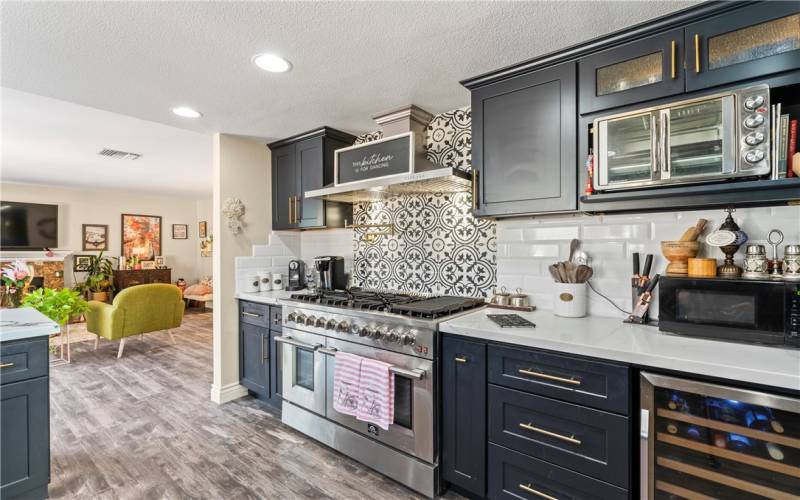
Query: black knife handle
{"points": [[648, 263], [636, 263], [652, 283]]}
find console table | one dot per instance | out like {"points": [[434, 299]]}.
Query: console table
{"points": [[125, 279]]}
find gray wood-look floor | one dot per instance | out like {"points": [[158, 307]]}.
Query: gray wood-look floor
{"points": [[143, 427]]}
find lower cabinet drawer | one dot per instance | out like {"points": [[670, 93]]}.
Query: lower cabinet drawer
{"points": [[23, 360], [254, 313], [514, 476], [584, 440]]}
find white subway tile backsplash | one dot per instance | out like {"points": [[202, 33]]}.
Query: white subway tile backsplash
{"points": [[550, 233], [639, 231]]}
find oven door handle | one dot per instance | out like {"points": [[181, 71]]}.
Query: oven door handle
{"points": [[297, 343], [416, 373]]}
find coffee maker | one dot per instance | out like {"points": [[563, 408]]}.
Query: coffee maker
{"points": [[331, 272], [297, 275]]}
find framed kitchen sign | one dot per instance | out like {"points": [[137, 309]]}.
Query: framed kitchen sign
{"points": [[375, 160]]}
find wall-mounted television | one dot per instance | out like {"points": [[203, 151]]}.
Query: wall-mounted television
{"points": [[28, 226]]}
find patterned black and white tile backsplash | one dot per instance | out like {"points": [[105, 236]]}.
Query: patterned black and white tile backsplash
{"points": [[438, 247]]}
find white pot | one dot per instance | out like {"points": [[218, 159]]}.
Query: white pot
{"points": [[569, 300]]}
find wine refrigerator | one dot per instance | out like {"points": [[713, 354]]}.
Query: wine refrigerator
{"points": [[704, 441]]}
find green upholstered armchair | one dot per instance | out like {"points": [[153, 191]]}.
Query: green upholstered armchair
{"points": [[136, 310]]}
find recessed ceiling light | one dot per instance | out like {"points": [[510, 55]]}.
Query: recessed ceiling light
{"points": [[272, 63], [186, 112]]}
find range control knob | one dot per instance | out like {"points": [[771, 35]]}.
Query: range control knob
{"points": [[408, 339], [292, 317], [380, 333], [366, 332], [753, 102], [320, 323], [355, 329], [754, 121], [754, 156], [342, 327], [754, 139], [310, 320], [300, 319], [394, 335], [331, 324]]}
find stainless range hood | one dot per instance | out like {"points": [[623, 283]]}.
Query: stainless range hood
{"points": [[401, 153]]}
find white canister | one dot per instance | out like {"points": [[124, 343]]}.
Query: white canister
{"points": [[264, 281], [250, 283], [277, 281], [569, 300]]}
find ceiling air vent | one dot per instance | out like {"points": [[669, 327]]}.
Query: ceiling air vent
{"points": [[119, 155]]}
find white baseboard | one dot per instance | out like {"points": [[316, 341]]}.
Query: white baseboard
{"points": [[229, 392]]}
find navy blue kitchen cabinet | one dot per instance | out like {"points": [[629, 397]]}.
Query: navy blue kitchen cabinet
{"points": [[259, 363], [24, 419], [527, 423], [301, 163], [755, 41], [464, 414], [524, 143], [638, 71]]}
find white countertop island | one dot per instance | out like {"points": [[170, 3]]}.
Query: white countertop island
{"points": [[25, 323], [609, 338]]}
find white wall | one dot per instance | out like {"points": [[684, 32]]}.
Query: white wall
{"points": [[241, 170], [80, 206], [205, 211]]}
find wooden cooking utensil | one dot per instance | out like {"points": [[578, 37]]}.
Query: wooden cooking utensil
{"points": [[694, 232], [554, 273]]}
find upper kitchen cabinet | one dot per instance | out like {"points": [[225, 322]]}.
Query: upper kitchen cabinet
{"points": [[303, 163], [638, 71], [524, 143], [751, 42]]}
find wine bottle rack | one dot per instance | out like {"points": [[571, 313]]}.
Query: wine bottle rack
{"points": [[704, 440]]}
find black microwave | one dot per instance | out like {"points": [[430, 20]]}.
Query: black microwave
{"points": [[737, 310]]}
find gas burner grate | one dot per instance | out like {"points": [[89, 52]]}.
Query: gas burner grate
{"points": [[419, 306]]}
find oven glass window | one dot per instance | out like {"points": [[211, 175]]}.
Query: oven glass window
{"points": [[719, 308], [304, 368], [696, 139], [628, 151], [403, 408]]}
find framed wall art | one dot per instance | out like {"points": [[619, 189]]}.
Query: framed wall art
{"points": [[95, 237], [180, 231], [161, 262], [81, 263], [141, 236], [202, 229], [148, 264]]}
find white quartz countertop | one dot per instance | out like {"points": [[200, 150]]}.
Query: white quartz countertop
{"points": [[609, 338], [25, 323], [271, 298]]}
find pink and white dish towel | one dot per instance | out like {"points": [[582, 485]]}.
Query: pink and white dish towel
{"points": [[376, 401], [346, 383]]}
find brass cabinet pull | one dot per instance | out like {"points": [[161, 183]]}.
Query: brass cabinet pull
{"points": [[674, 66], [250, 315], [474, 189], [527, 487], [6, 365], [696, 53], [461, 359], [291, 219], [569, 439], [296, 209], [549, 377]]}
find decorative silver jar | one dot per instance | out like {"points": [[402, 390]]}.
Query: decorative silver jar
{"points": [[756, 264], [791, 262]]}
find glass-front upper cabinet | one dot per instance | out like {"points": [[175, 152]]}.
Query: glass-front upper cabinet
{"points": [[750, 42], [638, 71]]}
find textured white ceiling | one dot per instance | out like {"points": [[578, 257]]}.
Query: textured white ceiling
{"points": [[351, 60], [47, 141]]}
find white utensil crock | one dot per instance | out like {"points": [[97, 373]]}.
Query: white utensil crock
{"points": [[569, 300]]}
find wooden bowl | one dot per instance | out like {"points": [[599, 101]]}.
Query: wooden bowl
{"points": [[678, 253], [702, 268]]}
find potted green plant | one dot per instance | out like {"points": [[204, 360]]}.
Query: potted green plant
{"points": [[98, 283], [59, 306]]}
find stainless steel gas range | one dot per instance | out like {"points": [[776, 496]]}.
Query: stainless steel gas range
{"points": [[398, 329]]}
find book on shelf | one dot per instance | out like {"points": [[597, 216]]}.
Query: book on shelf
{"points": [[783, 144], [792, 162]]}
